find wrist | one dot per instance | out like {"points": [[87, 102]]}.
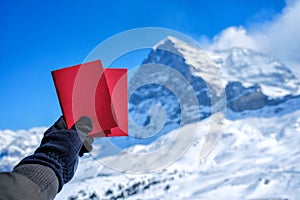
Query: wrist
{"points": [[44, 177], [40, 159]]}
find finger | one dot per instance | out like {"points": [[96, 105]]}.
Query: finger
{"points": [[89, 140], [60, 124], [83, 126], [80, 154], [86, 147]]}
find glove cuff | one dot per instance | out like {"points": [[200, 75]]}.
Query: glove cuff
{"points": [[42, 176], [44, 160]]}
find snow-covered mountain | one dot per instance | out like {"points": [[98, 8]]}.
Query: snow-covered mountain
{"points": [[247, 80], [251, 79], [256, 156]]}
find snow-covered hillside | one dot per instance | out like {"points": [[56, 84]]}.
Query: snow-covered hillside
{"points": [[256, 158], [15, 145]]}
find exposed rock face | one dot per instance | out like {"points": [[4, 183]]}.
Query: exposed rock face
{"points": [[251, 80]]}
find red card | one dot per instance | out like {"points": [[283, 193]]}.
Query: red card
{"points": [[101, 94], [117, 85]]}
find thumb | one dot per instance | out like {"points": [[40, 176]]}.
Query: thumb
{"points": [[83, 126]]}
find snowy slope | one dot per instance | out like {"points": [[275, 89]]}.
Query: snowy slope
{"points": [[254, 159], [16, 145]]}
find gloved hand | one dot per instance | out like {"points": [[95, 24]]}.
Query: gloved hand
{"points": [[60, 148]]}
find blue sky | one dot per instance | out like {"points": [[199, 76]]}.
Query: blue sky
{"points": [[40, 36]]}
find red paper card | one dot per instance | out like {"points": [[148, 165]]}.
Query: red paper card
{"points": [[89, 90], [117, 85]]}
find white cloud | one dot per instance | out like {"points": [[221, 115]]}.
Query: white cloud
{"points": [[233, 37], [279, 38]]}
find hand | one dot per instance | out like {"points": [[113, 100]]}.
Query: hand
{"points": [[60, 148]]}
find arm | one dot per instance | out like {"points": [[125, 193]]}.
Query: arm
{"points": [[30, 181], [52, 164]]}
